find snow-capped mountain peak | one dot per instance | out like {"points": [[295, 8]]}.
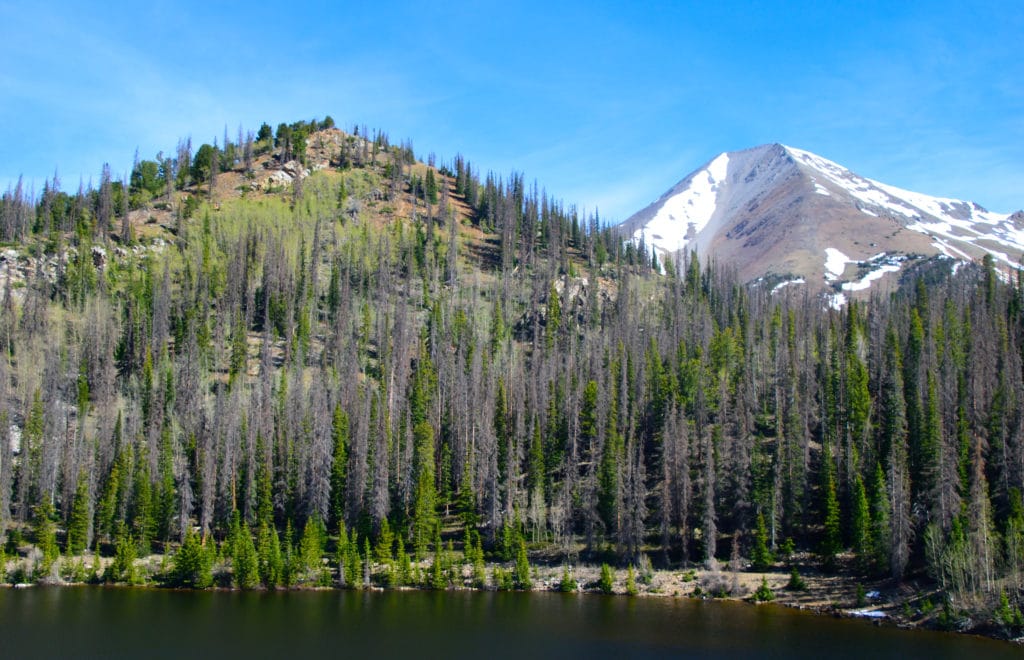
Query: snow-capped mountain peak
{"points": [[786, 214]]}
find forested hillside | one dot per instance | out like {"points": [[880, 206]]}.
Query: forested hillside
{"points": [[410, 354]]}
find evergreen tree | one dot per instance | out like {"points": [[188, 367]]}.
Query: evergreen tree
{"points": [[403, 565], [114, 491], [553, 318], [142, 522], [341, 556], [122, 569], [430, 187], [424, 517], [761, 555], [631, 588], [193, 564], [568, 582], [607, 581], [310, 546], [339, 464], [860, 524], [353, 564], [44, 533], [610, 471], [832, 541], [245, 561], [385, 543], [269, 556], [881, 531], [78, 525], [522, 574], [764, 593]]}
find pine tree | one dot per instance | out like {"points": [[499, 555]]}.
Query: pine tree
{"points": [[479, 568], [353, 563], [193, 564], [44, 533], [860, 524], [268, 556], [430, 187], [881, 532], [141, 511], [122, 569], [264, 496], [244, 560], [424, 517], [384, 548], [553, 318], [764, 593], [609, 477], [931, 443], [114, 490], [522, 575], [339, 464], [289, 561], [832, 541], [403, 565], [310, 546], [761, 555], [606, 583], [341, 556], [78, 525], [568, 583]]}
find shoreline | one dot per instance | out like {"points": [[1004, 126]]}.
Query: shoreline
{"points": [[909, 605]]}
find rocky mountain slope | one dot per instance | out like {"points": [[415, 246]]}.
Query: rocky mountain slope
{"points": [[786, 216]]}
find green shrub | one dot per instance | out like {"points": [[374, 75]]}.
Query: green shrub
{"points": [[796, 582], [568, 583], [607, 581], [631, 587], [764, 593]]}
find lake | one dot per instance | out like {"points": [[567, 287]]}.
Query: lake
{"points": [[130, 622]]}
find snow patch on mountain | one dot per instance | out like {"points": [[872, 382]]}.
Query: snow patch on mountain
{"points": [[859, 187], [683, 215], [835, 263], [952, 219], [945, 208], [877, 267], [865, 282], [778, 287]]}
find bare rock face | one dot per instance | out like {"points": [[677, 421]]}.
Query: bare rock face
{"points": [[295, 170], [781, 215]]}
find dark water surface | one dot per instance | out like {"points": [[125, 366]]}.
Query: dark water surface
{"points": [[146, 623]]}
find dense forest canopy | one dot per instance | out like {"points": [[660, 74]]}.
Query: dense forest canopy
{"points": [[390, 348]]}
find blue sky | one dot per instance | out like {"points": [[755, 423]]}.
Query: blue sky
{"points": [[604, 104]]}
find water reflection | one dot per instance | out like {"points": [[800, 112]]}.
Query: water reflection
{"points": [[111, 622]]}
